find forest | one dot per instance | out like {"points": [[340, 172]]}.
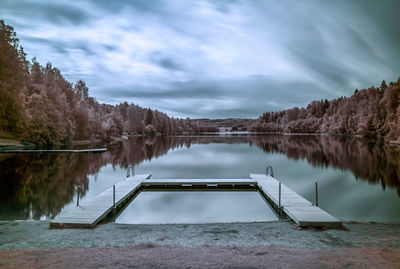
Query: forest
{"points": [[373, 112], [39, 105]]}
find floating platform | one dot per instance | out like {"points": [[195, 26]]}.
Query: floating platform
{"points": [[297, 208], [55, 151]]}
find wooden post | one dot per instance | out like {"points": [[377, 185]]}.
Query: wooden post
{"points": [[279, 204], [78, 191], [316, 193], [114, 196]]}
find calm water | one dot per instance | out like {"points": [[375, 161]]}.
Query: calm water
{"points": [[358, 180]]}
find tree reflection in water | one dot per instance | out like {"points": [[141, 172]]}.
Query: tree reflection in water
{"points": [[38, 185]]}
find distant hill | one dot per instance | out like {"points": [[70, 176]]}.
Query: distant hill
{"points": [[235, 123]]}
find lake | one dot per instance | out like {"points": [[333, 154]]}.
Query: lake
{"points": [[358, 180]]}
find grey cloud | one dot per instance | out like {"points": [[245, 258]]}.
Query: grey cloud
{"points": [[164, 61], [385, 16], [336, 67], [110, 48], [60, 14], [169, 63], [175, 90], [337, 42], [241, 97], [61, 46], [54, 12], [220, 111], [223, 5], [84, 47], [322, 65], [144, 6]]}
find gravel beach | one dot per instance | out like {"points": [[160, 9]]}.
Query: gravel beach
{"points": [[280, 244]]}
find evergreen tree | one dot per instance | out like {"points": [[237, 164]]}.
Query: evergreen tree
{"points": [[383, 85], [81, 90]]}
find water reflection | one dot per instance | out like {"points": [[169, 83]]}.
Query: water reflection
{"points": [[367, 160], [196, 207], [37, 185]]}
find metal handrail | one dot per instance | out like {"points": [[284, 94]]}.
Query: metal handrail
{"points": [[269, 167], [128, 172]]}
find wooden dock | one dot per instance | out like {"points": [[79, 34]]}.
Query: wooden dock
{"points": [[90, 213], [297, 208], [300, 210]]}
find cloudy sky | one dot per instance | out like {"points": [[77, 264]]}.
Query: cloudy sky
{"points": [[216, 58]]}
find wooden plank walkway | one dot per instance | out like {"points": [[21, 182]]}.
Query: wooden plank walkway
{"points": [[300, 210], [199, 185], [89, 213], [200, 182], [55, 151]]}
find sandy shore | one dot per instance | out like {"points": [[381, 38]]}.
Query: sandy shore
{"points": [[149, 256], [30, 244]]}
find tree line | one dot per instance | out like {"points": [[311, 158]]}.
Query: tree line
{"points": [[369, 112], [39, 105]]}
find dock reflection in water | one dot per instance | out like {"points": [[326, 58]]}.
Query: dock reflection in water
{"points": [[196, 207]]}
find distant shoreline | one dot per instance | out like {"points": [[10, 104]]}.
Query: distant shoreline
{"points": [[15, 144]]}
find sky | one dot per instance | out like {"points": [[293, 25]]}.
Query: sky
{"points": [[213, 58]]}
